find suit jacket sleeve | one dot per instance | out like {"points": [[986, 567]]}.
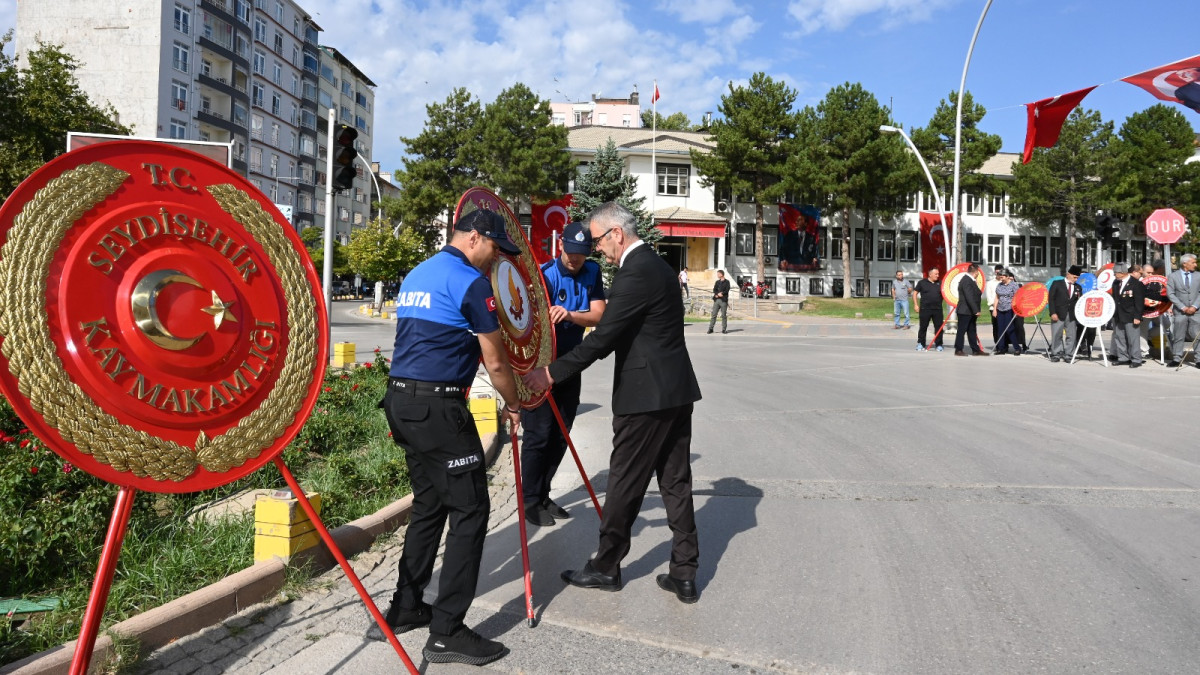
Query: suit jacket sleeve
{"points": [[625, 306]]}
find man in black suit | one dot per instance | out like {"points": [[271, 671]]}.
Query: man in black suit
{"points": [[969, 301], [654, 389], [1064, 293], [1130, 296]]}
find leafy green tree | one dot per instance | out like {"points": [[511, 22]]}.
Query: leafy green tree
{"points": [[444, 160], [391, 211], [374, 253], [607, 181], [313, 238], [39, 104], [752, 145], [676, 121], [524, 152], [842, 162], [936, 144], [1149, 168], [1059, 185]]}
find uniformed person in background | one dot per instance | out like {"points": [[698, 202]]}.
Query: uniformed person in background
{"points": [[576, 291], [445, 319]]}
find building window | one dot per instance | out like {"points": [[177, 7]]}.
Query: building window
{"points": [[816, 286], [279, 12], [257, 95], [275, 101], [256, 127], [1085, 253], [178, 129], [885, 245], [1056, 252], [255, 159], [974, 248], [1037, 251], [183, 20], [343, 214], [885, 288], [793, 285], [274, 170], [295, 86], [275, 134], [911, 203], [1016, 250], [860, 288], [260, 30], [242, 11], [996, 205], [745, 240], [206, 68], [179, 95], [862, 244], [346, 88], [928, 203], [346, 115], [1120, 253], [835, 244], [673, 179], [602, 119], [770, 240], [627, 120], [995, 250], [974, 205], [908, 247], [180, 57], [278, 42], [260, 62], [277, 73]]}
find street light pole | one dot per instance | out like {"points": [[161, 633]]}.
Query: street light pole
{"points": [[889, 129], [962, 86], [371, 173]]}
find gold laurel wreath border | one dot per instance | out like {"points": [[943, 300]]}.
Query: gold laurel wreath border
{"points": [[25, 260]]}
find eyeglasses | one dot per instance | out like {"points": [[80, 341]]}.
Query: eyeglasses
{"points": [[597, 240]]}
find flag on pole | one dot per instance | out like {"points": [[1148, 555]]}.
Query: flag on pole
{"points": [[934, 239], [1046, 118], [1178, 82], [654, 98]]}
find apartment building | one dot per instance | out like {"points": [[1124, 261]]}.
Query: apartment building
{"points": [[599, 111], [242, 72], [344, 88]]}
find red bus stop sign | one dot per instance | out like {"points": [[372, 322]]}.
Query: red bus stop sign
{"points": [[1165, 226]]}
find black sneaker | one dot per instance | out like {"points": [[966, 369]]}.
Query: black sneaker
{"points": [[404, 620], [464, 646], [554, 509], [536, 514]]}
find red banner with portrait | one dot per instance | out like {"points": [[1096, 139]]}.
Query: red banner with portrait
{"points": [[934, 240], [547, 220]]}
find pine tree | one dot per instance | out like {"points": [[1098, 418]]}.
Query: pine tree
{"points": [[606, 181]]}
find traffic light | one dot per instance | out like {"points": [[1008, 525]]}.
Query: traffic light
{"points": [[1114, 230], [344, 154], [1103, 228]]}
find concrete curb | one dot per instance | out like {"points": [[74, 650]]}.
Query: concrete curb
{"points": [[214, 603]]}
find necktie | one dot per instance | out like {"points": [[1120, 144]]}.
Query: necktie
{"points": [[1187, 279]]}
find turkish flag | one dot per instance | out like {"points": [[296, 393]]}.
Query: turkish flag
{"points": [[654, 98], [1177, 82], [546, 220], [934, 240], [1046, 118]]}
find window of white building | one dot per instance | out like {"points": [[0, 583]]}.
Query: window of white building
{"points": [[995, 249], [180, 57], [183, 19], [673, 179], [178, 129], [908, 247]]}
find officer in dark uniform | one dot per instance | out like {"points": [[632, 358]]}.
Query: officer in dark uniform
{"points": [[576, 291], [445, 319]]}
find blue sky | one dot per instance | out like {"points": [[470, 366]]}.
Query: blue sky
{"points": [[909, 53]]}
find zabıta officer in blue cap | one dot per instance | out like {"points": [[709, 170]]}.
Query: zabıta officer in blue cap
{"points": [[576, 290]]}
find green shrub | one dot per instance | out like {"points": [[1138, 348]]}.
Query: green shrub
{"points": [[53, 516]]}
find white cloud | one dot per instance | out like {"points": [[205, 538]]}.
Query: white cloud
{"points": [[700, 11], [815, 15]]}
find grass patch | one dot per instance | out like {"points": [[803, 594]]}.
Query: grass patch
{"points": [[53, 517], [846, 308]]}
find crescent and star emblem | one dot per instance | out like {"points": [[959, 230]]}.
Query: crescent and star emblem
{"points": [[144, 303]]}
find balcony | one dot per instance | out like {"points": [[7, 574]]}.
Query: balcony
{"points": [[219, 120], [220, 84], [216, 47]]}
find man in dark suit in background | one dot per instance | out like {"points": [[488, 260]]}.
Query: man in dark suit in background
{"points": [[654, 389], [1130, 296], [1063, 295], [969, 301]]}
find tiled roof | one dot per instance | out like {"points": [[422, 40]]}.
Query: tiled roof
{"points": [[592, 137], [1000, 164], [677, 214]]}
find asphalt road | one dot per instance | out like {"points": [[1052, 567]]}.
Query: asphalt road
{"points": [[863, 507]]}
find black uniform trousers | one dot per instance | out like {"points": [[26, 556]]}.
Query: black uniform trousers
{"points": [[966, 331], [653, 443], [446, 469], [542, 443], [930, 315]]}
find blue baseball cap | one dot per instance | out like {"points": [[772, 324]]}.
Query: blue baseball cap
{"points": [[576, 239], [491, 225]]}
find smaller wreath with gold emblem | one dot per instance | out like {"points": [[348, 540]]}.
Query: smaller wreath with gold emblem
{"points": [[159, 326], [522, 305]]}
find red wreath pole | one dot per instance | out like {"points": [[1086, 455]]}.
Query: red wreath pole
{"points": [[337, 553], [103, 583], [933, 339], [562, 425], [529, 615]]}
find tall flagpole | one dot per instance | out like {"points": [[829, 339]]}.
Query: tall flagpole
{"points": [[653, 140], [960, 233]]}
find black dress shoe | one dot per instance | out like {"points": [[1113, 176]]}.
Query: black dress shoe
{"points": [[1173, 364], [588, 577], [684, 590], [554, 509], [1054, 359], [1135, 364], [404, 620], [534, 513]]}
